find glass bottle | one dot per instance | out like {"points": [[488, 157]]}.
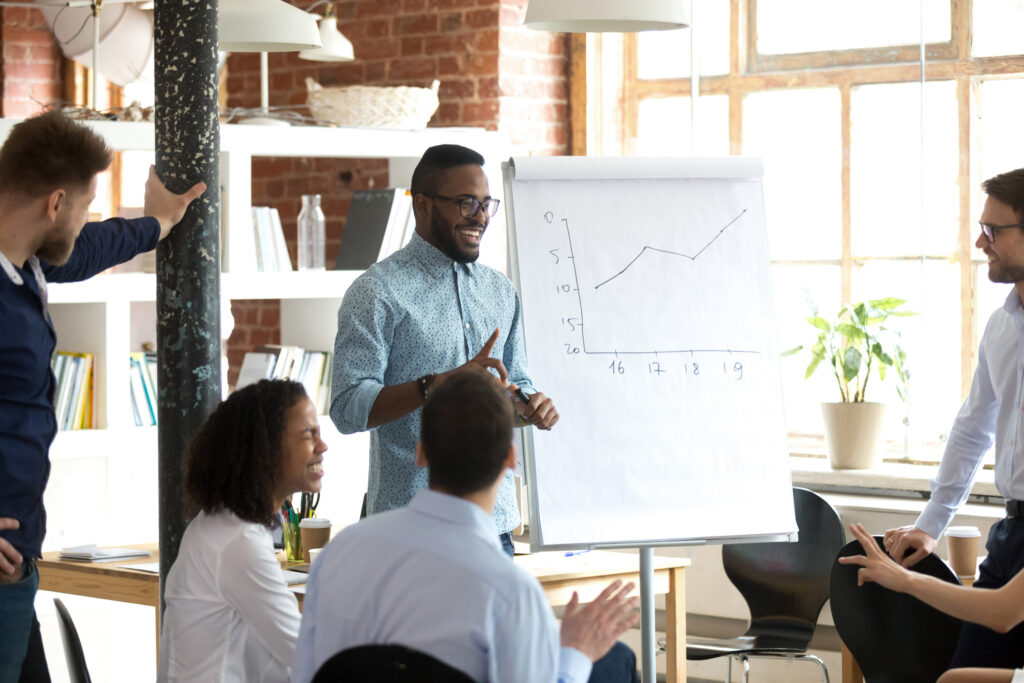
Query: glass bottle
{"points": [[311, 233]]}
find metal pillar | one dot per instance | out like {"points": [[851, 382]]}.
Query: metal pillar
{"points": [[188, 261]]}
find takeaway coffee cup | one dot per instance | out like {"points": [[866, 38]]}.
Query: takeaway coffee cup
{"points": [[315, 532], [962, 542]]}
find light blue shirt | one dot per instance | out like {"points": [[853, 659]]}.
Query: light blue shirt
{"points": [[414, 313], [992, 411], [432, 576]]}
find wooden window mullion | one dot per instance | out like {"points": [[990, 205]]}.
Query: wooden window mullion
{"points": [[846, 263]]}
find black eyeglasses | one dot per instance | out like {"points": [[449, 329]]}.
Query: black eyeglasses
{"points": [[469, 204], [989, 230]]}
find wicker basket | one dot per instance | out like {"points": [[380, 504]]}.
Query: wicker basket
{"points": [[373, 107]]}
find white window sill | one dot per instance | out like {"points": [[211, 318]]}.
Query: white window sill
{"points": [[897, 478]]}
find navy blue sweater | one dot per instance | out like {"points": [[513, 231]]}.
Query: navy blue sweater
{"points": [[27, 342]]}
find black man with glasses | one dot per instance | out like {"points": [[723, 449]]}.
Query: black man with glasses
{"points": [[992, 413], [419, 314]]}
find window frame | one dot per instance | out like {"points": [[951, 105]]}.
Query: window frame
{"points": [[751, 72]]}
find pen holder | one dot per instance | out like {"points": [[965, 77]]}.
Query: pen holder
{"points": [[292, 541]]}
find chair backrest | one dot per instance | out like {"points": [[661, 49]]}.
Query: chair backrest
{"points": [[386, 664], [73, 652], [785, 585], [894, 637]]}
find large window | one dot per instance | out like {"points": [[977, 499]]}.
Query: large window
{"points": [[872, 171]]}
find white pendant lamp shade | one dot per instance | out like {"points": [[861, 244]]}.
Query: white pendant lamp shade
{"points": [[265, 26], [125, 39], [586, 16], [336, 47]]}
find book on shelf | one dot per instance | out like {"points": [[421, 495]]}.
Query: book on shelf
{"points": [[323, 397], [375, 227], [143, 391], [74, 402], [312, 369], [256, 366], [271, 249], [284, 262]]}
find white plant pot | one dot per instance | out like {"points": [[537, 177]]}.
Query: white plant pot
{"points": [[853, 434]]}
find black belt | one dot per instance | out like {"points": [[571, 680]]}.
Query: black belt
{"points": [[1015, 508]]}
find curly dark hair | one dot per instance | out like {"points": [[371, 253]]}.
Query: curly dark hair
{"points": [[234, 459]]}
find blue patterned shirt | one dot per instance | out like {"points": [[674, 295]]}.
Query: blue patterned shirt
{"points": [[414, 313]]}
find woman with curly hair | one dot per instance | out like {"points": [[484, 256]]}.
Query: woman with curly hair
{"points": [[229, 615]]}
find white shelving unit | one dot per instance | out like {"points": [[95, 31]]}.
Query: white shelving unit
{"points": [[98, 474]]}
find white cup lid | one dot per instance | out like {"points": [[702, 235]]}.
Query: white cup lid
{"points": [[314, 522], [963, 531]]}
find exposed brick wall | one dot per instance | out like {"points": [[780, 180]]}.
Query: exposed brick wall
{"points": [[532, 82], [31, 63], [257, 322]]}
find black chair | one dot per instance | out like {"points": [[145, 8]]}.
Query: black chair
{"points": [[785, 586], [386, 664], [73, 652], [894, 637]]}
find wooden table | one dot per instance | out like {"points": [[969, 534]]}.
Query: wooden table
{"points": [[104, 580], [587, 573]]}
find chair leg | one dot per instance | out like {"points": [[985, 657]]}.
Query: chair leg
{"points": [[824, 669]]}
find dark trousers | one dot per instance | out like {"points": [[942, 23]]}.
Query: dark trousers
{"points": [[22, 659], [618, 666], [980, 646]]}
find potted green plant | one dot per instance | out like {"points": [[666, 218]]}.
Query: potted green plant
{"points": [[852, 344]]}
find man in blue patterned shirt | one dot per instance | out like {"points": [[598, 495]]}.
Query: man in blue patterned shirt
{"points": [[428, 309]]}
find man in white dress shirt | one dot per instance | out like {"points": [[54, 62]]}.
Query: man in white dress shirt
{"points": [[991, 413], [432, 576]]}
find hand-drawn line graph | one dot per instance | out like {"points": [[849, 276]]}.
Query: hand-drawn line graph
{"points": [[647, 248], [580, 323]]}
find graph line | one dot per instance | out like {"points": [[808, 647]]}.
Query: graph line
{"points": [[672, 253], [656, 352]]}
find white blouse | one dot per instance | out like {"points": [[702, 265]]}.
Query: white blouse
{"points": [[230, 616]]}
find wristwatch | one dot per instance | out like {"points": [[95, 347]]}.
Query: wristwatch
{"points": [[424, 383]]}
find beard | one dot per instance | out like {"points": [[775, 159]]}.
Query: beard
{"points": [[57, 247], [444, 233], [1005, 274]]}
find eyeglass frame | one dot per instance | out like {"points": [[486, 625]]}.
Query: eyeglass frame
{"points": [[473, 203], [989, 229]]}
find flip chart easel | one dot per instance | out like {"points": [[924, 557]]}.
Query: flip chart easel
{"points": [[645, 287]]}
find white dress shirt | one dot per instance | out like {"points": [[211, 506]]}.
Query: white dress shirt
{"points": [[992, 411], [432, 577], [230, 616]]}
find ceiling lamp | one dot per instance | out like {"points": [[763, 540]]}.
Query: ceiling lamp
{"points": [[585, 16], [119, 45], [265, 26], [336, 47]]}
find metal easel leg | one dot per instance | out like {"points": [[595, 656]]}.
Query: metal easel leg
{"points": [[648, 672]]}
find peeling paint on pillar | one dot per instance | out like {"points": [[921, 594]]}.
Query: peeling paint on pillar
{"points": [[188, 261]]}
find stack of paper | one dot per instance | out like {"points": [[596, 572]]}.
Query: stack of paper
{"points": [[93, 553], [291, 577]]}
